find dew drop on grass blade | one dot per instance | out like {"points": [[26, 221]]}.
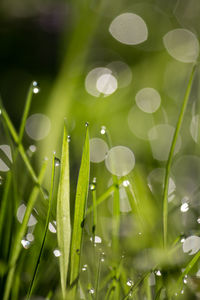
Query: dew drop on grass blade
{"points": [[63, 213], [45, 230], [79, 214], [17, 243]]}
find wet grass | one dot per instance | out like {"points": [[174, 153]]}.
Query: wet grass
{"points": [[103, 253]]}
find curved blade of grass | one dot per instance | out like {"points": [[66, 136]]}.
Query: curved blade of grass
{"points": [[63, 213], [22, 230], [45, 230], [21, 133], [16, 140], [169, 161], [134, 288], [104, 196], [79, 214], [189, 266]]}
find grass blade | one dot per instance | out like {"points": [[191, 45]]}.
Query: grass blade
{"points": [[79, 214], [189, 266], [169, 161], [45, 230], [21, 232], [104, 196], [21, 133], [63, 213]]}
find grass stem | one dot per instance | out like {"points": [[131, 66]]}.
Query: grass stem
{"points": [[169, 161]]}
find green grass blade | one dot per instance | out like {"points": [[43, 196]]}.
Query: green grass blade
{"points": [[189, 266], [63, 213], [79, 214], [169, 161], [17, 141], [22, 230], [26, 112], [45, 230], [9, 123], [104, 196]]}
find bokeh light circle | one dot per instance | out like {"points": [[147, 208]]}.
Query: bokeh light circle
{"points": [[120, 160], [129, 29]]}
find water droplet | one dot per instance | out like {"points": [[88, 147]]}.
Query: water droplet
{"points": [[30, 237], [129, 282], [0, 112], [96, 239], [198, 220], [57, 162], [1, 180], [69, 138], [182, 292], [103, 130], [184, 207], [185, 279], [86, 124], [32, 148], [57, 253], [126, 183], [158, 273], [84, 268], [92, 187], [26, 244], [91, 291], [35, 83], [78, 251], [36, 88], [52, 227]]}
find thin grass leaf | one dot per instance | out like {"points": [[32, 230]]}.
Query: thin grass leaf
{"points": [[169, 161], [189, 266], [45, 230], [104, 196], [63, 214], [134, 288], [16, 140], [79, 214], [16, 248], [21, 133]]}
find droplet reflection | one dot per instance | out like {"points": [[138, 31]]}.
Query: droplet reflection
{"points": [[129, 29], [38, 126], [98, 150], [148, 100], [160, 137], [120, 160], [191, 245], [182, 45]]}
